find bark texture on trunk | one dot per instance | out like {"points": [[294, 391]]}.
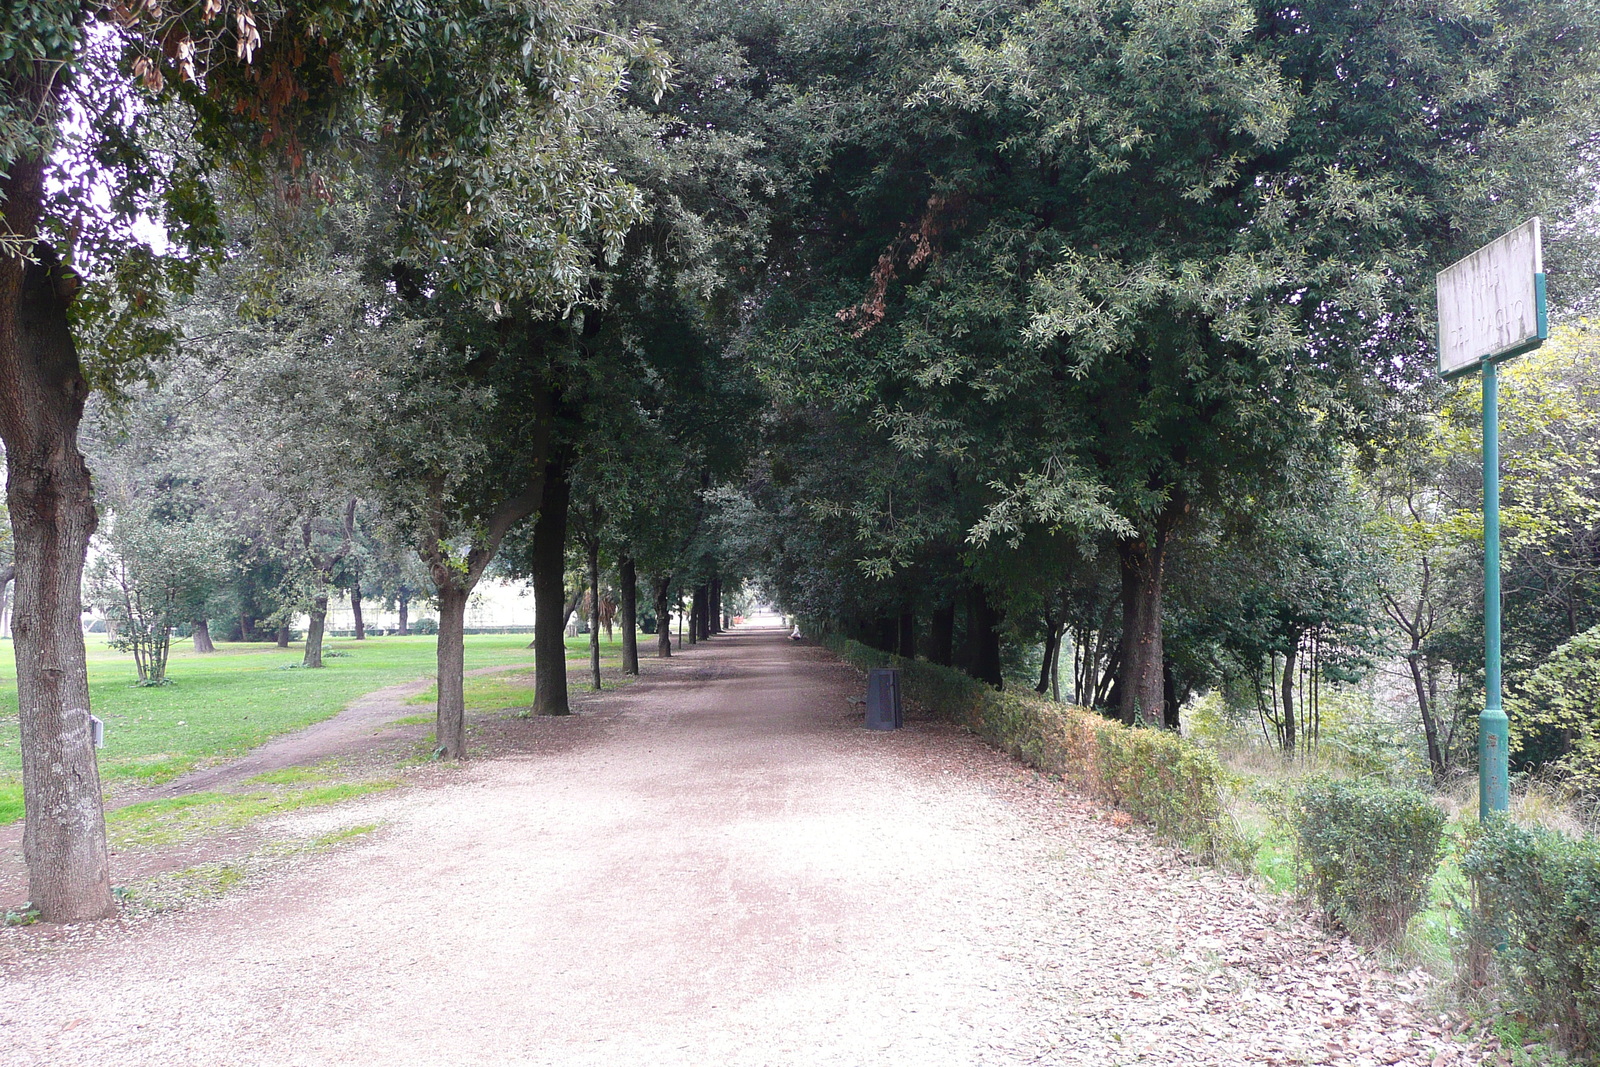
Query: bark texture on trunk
{"points": [[454, 579], [1286, 688], [319, 620], [1052, 645], [886, 634], [942, 635], [450, 718], [1430, 727], [405, 626], [594, 611], [202, 637], [628, 575], [549, 596], [1141, 686], [983, 624], [355, 611], [52, 513], [663, 618]]}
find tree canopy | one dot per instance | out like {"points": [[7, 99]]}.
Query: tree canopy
{"points": [[1084, 331]]}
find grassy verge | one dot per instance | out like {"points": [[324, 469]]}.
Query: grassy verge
{"points": [[171, 820], [226, 703], [503, 692], [209, 881]]}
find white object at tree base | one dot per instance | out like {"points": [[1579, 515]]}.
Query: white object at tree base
{"points": [[1492, 303]]}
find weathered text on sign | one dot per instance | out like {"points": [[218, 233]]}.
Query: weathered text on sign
{"points": [[1489, 303]]}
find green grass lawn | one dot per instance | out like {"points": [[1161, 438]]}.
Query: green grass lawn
{"points": [[496, 692], [228, 702]]}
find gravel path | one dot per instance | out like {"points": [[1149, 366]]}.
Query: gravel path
{"points": [[719, 866]]}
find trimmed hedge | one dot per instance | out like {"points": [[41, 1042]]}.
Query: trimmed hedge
{"points": [[1539, 895], [1171, 783], [1370, 851]]}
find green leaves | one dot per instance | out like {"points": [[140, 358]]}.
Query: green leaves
{"points": [[1370, 851]]}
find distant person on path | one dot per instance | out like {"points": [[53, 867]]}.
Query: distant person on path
{"points": [[795, 635]]}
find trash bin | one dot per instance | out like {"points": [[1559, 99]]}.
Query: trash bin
{"points": [[883, 699]]}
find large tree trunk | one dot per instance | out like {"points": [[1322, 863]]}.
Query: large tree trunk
{"points": [[355, 611], [983, 636], [1140, 683], [594, 611], [629, 611], [319, 619], [663, 587], [405, 627], [202, 637], [549, 596], [886, 634], [942, 635], [1052, 645], [450, 719], [283, 636], [714, 605], [1286, 690], [908, 634], [42, 393]]}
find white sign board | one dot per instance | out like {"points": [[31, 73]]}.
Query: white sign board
{"points": [[1491, 303]]}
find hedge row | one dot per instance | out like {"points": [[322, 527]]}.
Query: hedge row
{"points": [[1539, 902], [1171, 783], [1369, 850]]}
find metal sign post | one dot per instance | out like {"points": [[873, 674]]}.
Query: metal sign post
{"points": [[1492, 307]]}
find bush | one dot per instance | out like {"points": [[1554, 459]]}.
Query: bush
{"points": [[425, 626], [1370, 852], [1170, 782], [1538, 895], [1557, 714]]}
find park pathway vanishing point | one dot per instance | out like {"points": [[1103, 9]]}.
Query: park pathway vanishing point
{"points": [[721, 867]]}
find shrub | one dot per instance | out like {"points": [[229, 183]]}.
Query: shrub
{"points": [[1170, 782], [425, 626], [1538, 895], [1369, 851], [1557, 714]]}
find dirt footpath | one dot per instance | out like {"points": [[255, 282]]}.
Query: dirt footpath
{"points": [[719, 866]]}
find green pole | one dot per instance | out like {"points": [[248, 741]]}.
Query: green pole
{"points": [[1493, 726]]}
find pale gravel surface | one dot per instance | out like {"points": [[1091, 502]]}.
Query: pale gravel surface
{"points": [[722, 867]]}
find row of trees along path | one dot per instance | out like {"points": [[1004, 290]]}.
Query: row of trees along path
{"points": [[718, 864], [946, 308]]}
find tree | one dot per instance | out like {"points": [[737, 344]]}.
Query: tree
{"points": [[435, 90], [155, 574], [1144, 259]]}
